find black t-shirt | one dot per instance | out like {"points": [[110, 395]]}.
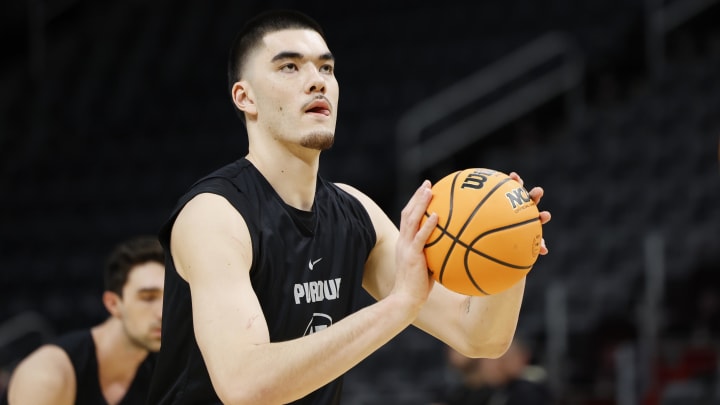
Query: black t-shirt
{"points": [[306, 272], [80, 347]]}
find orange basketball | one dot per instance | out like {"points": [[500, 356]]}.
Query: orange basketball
{"points": [[488, 233]]}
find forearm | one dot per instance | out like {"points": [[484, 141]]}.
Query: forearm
{"points": [[277, 373], [490, 322], [480, 326]]}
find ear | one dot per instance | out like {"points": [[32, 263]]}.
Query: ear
{"points": [[112, 302], [243, 98]]}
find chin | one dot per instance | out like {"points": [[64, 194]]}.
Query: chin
{"points": [[319, 140]]}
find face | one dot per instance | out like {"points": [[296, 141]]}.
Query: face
{"points": [[291, 90], [140, 308]]}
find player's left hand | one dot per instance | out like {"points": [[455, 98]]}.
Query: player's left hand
{"points": [[536, 194]]}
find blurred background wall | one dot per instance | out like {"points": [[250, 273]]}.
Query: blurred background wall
{"points": [[110, 110]]}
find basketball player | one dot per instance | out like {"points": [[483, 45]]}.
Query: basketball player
{"points": [[265, 257], [110, 363], [507, 380]]}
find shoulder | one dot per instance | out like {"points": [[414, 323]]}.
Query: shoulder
{"points": [[208, 209], [47, 371], [381, 222], [228, 182], [234, 177], [348, 188], [229, 190], [367, 202], [208, 215], [206, 229], [47, 358]]}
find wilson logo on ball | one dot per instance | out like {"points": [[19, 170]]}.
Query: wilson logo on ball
{"points": [[488, 232], [476, 179]]}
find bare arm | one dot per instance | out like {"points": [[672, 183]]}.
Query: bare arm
{"points": [[45, 377], [474, 326], [212, 252]]}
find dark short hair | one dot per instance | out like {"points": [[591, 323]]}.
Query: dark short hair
{"points": [[253, 32], [128, 254]]}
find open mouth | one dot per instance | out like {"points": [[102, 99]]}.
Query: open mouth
{"points": [[319, 110], [319, 106]]}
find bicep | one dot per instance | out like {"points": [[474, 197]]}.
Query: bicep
{"points": [[45, 377], [379, 274], [212, 250], [379, 271]]}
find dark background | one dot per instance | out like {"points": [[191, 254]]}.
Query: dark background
{"points": [[110, 110]]}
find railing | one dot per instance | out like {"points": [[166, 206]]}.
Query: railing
{"points": [[416, 153], [661, 19]]}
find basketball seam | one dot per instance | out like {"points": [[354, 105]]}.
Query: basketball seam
{"points": [[450, 212], [502, 228], [469, 246], [494, 259], [468, 250], [470, 277], [467, 221]]}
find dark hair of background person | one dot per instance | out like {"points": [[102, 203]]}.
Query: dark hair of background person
{"points": [[126, 255]]}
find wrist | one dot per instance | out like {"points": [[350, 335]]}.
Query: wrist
{"points": [[404, 304]]}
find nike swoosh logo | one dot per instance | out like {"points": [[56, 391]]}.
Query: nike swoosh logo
{"points": [[311, 264]]}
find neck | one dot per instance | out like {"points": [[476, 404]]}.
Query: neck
{"points": [[118, 359], [293, 174], [117, 356]]}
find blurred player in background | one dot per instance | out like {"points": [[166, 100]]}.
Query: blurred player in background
{"points": [[110, 363], [507, 380]]}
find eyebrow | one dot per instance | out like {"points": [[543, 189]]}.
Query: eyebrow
{"points": [[298, 55], [148, 290]]}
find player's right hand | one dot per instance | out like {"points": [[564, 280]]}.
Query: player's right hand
{"points": [[412, 278]]}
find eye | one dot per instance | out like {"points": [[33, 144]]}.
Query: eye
{"points": [[327, 68], [288, 67], [149, 296]]}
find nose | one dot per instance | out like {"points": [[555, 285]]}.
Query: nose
{"points": [[315, 82]]}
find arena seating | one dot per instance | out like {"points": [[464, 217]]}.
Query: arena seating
{"points": [[124, 117]]}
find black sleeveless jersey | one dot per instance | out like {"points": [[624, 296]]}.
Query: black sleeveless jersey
{"points": [[306, 271], [80, 347]]}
